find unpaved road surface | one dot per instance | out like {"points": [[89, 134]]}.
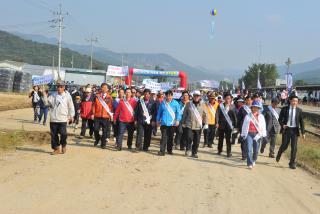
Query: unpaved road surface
{"points": [[91, 180]]}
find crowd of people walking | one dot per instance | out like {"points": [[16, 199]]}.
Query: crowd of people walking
{"points": [[109, 111]]}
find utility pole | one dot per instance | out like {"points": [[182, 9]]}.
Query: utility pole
{"points": [[58, 22], [91, 41], [288, 63], [72, 61], [53, 67]]}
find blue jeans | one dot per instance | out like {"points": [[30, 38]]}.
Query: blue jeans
{"points": [[252, 148], [44, 113]]}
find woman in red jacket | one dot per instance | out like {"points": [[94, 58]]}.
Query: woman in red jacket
{"points": [[125, 112], [85, 113]]}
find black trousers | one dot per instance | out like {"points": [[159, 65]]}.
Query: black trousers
{"points": [[87, 123], [57, 129], [105, 124], [115, 128], [122, 129], [178, 136], [167, 133], [194, 140], [289, 135], [243, 143], [224, 133], [143, 131], [209, 134], [184, 138]]}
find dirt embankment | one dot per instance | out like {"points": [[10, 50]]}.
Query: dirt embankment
{"points": [[10, 101]]}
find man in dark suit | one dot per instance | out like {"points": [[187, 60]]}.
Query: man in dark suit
{"points": [[145, 118], [226, 123], [271, 115], [292, 125]]}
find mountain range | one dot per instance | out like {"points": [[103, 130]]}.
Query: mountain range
{"points": [[139, 60], [26, 43]]}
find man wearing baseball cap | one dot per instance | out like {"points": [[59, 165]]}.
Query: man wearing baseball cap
{"points": [[61, 112], [194, 119], [209, 133]]}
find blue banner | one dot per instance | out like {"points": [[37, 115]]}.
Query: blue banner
{"points": [[42, 80]]}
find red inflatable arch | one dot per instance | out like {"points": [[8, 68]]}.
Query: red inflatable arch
{"points": [[180, 74]]}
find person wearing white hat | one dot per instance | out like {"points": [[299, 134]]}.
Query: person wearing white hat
{"points": [[85, 112], [194, 119]]}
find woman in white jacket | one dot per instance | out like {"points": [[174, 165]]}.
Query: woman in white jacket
{"points": [[253, 130]]}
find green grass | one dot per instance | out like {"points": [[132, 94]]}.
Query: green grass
{"points": [[9, 140], [308, 152]]}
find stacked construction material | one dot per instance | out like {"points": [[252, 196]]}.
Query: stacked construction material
{"points": [[22, 82], [6, 79]]}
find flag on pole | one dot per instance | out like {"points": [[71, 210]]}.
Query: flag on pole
{"points": [[259, 84], [243, 85], [289, 81]]}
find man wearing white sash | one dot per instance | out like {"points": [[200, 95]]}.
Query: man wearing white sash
{"points": [[194, 119], [102, 116], [125, 113], [209, 133], [168, 117], [145, 118], [243, 111], [226, 123], [180, 139], [61, 112], [253, 130], [271, 115]]}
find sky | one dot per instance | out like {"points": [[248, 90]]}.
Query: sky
{"points": [[246, 31]]}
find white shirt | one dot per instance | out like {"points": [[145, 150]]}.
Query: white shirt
{"points": [[292, 115]]}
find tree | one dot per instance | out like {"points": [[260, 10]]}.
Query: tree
{"points": [[268, 75], [299, 83]]}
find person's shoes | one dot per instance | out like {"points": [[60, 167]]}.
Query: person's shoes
{"points": [[44, 124], [210, 146], [170, 153], [145, 149], [176, 147], [271, 155], [204, 145], [95, 143], [278, 158], [250, 167], [292, 166], [262, 150], [187, 153], [81, 137], [161, 154], [91, 136], [218, 153], [103, 147], [194, 155], [107, 140], [55, 152], [229, 155], [130, 147], [254, 163], [64, 150]]}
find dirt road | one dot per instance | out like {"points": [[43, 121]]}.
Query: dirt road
{"points": [[91, 180]]}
